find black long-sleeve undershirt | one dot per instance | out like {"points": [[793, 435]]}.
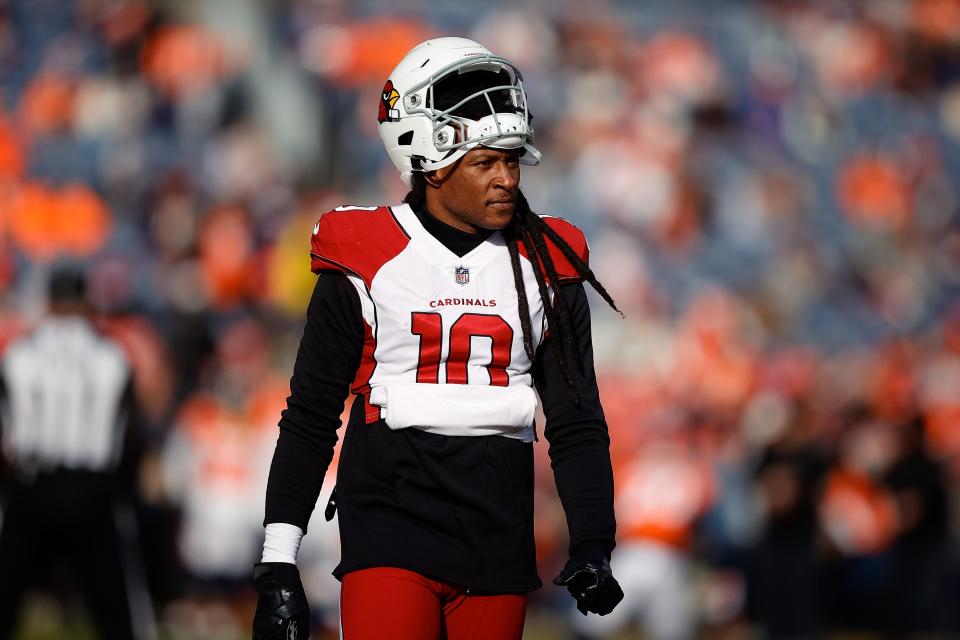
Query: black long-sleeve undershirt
{"points": [[326, 364], [327, 361]]}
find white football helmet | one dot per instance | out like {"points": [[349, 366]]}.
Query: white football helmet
{"points": [[447, 96]]}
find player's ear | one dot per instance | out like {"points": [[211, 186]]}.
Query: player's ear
{"points": [[432, 179], [437, 177]]}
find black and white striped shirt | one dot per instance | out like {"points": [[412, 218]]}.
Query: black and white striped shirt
{"points": [[64, 402]]}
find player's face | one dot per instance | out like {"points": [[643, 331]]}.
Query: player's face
{"points": [[480, 191]]}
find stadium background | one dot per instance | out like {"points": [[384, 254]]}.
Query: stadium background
{"points": [[770, 193]]}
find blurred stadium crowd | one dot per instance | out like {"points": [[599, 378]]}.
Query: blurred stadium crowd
{"points": [[770, 192]]}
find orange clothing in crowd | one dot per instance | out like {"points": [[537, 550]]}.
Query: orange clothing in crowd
{"points": [[228, 258], [873, 191], [858, 514], [47, 104], [661, 494], [180, 59], [12, 157], [44, 221]]}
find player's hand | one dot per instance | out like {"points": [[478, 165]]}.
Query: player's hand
{"points": [[282, 609], [592, 584]]}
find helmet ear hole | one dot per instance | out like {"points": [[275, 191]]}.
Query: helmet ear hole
{"points": [[405, 139]]}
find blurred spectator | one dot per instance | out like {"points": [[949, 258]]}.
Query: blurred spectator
{"points": [[214, 465], [661, 494], [782, 580], [858, 518], [923, 561]]}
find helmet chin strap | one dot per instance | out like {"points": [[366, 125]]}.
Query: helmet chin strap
{"points": [[428, 165], [532, 156]]}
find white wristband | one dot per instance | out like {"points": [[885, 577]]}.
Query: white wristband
{"points": [[281, 543]]}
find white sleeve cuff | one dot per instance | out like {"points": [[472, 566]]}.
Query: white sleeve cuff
{"points": [[281, 543]]}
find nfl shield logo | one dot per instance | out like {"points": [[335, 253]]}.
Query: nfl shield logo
{"points": [[462, 275]]}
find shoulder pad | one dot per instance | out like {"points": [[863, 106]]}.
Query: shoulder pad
{"points": [[356, 241], [574, 237]]}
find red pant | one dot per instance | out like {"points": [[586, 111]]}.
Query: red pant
{"points": [[385, 602]]}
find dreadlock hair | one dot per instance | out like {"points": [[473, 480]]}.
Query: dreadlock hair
{"points": [[417, 196], [530, 229]]}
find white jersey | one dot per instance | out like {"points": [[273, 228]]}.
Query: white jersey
{"points": [[64, 386], [444, 345]]}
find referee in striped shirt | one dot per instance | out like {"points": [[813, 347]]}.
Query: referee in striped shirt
{"points": [[67, 467]]}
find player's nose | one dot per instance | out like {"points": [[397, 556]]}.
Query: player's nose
{"points": [[507, 177]]}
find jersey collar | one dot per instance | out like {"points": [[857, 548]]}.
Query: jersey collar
{"points": [[436, 252]]}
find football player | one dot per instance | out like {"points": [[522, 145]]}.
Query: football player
{"points": [[443, 314]]}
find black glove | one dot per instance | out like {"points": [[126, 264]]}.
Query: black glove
{"points": [[282, 609], [592, 584]]}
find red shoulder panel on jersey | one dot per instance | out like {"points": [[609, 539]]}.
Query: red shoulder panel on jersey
{"points": [[574, 237], [356, 240]]}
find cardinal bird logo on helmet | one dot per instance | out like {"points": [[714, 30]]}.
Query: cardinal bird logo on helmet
{"points": [[388, 98]]}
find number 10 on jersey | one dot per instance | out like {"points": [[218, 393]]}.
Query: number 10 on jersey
{"points": [[429, 327]]}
